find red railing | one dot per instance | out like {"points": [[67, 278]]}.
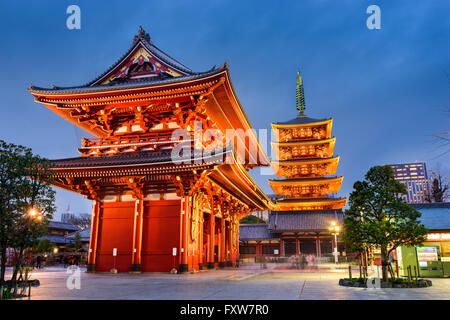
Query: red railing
{"points": [[114, 144]]}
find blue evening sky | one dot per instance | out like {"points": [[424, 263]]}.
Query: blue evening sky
{"points": [[385, 89]]}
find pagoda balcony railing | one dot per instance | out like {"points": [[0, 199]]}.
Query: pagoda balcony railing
{"points": [[129, 143], [305, 139], [312, 196]]}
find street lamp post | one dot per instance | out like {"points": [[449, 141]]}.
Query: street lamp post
{"points": [[334, 229]]}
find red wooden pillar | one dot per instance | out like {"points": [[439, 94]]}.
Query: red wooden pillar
{"points": [[282, 247], [137, 236], [297, 247], [319, 254], [200, 242], [185, 207], [95, 221], [237, 258], [222, 243], [234, 250], [206, 253], [229, 246], [212, 228]]}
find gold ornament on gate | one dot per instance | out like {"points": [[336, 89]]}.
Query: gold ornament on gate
{"points": [[234, 227], [197, 201]]}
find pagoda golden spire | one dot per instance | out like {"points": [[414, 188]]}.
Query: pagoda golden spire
{"points": [[300, 96]]}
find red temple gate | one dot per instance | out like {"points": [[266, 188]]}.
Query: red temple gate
{"points": [[146, 205]]}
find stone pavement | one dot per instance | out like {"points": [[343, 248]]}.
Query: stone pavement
{"points": [[247, 282]]}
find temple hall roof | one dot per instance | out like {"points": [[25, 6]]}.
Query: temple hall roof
{"points": [[306, 220], [435, 216], [57, 239], [85, 235], [254, 232], [62, 226]]}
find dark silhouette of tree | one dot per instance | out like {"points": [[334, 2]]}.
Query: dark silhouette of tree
{"points": [[83, 221], [26, 201], [443, 138], [77, 240], [251, 219], [379, 217], [44, 245], [439, 188]]}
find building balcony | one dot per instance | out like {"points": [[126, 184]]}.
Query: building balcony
{"points": [[154, 141]]}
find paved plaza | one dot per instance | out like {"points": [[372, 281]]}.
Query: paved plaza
{"points": [[246, 283]]}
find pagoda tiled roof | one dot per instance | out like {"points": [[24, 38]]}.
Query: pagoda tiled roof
{"points": [[300, 120], [299, 200], [307, 220], [307, 179], [306, 160]]}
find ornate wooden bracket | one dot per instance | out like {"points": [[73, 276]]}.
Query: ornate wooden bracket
{"points": [[88, 188], [186, 117], [137, 186], [189, 185], [198, 181], [91, 189], [182, 185]]}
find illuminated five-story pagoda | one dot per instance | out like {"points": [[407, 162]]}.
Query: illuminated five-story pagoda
{"points": [[304, 148]]}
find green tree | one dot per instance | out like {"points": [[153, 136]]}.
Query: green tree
{"points": [[11, 176], [26, 200], [379, 217], [251, 219], [44, 245], [83, 221], [77, 240]]}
